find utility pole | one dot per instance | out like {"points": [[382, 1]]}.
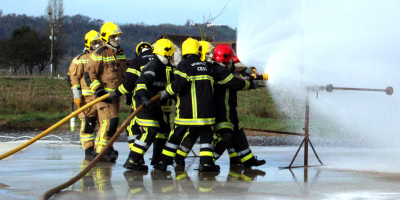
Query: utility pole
{"points": [[52, 41]]}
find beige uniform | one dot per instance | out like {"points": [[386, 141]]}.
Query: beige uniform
{"points": [[76, 74], [106, 68]]}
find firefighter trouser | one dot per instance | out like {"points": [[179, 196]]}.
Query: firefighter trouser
{"points": [[108, 118], [153, 127], [136, 188], [224, 140], [186, 145], [176, 136], [88, 123], [240, 146], [161, 138], [133, 131]]}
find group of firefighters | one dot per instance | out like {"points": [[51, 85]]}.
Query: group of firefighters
{"points": [[202, 86]]}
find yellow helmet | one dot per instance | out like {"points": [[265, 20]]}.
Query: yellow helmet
{"points": [[142, 45], [191, 46], [205, 48], [109, 29], [91, 36], [164, 47]]}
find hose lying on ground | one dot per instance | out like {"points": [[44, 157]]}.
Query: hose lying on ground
{"points": [[98, 157], [47, 131]]}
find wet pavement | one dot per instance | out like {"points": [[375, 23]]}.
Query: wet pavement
{"points": [[44, 165]]}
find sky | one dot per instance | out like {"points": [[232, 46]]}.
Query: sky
{"points": [[150, 12]]}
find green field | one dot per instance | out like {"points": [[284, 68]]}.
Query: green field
{"points": [[38, 103]]}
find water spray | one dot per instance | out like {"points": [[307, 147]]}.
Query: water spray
{"points": [[306, 140]]}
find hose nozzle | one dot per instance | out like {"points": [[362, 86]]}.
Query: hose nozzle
{"points": [[263, 77]]}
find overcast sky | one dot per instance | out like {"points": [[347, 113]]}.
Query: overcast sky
{"points": [[151, 12]]}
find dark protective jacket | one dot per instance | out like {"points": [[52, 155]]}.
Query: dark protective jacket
{"points": [[133, 72], [193, 87], [75, 75], [106, 68], [154, 78], [225, 96]]}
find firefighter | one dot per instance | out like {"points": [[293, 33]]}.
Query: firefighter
{"points": [[144, 53], [83, 94], [153, 79], [227, 123], [193, 87], [106, 71]]}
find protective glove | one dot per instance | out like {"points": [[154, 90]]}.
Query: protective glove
{"points": [[100, 92], [164, 94], [78, 102], [255, 84], [128, 99], [112, 96], [250, 70], [145, 101]]}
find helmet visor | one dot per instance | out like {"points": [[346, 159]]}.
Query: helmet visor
{"points": [[94, 44]]}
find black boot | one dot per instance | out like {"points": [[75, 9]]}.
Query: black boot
{"points": [[209, 168], [253, 162], [113, 152], [89, 153], [107, 157], [161, 166], [131, 164], [158, 146], [179, 160], [235, 161]]}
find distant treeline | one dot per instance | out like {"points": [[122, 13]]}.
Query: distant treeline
{"points": [[70, 34]]}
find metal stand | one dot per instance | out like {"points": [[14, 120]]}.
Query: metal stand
{"points": [[305, 141]]}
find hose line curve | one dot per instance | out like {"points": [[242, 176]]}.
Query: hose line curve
{"points": [[47, 131], [73, 180]]}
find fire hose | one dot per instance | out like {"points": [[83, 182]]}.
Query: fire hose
{"points": [[73, 180], [47, 131]]}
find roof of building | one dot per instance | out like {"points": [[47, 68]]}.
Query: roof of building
{"points": [[177, 39]]}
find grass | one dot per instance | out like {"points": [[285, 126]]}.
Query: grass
{"points": [[38, 103]]}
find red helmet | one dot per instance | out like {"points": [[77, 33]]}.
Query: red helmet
{"points": [[223, 53]]}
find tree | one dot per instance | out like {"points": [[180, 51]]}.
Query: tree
{"points": [[10, 55]]}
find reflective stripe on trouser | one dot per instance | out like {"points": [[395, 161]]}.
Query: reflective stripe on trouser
{"points": [[143, 142], [186, 145], [223, 143], [87, 139], [241, 145], [161, 138], [86, 131], [108, 118], [176, 136], [133, 131]]}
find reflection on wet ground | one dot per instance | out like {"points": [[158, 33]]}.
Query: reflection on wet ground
{"points": [[164, 185], [27, 175]]}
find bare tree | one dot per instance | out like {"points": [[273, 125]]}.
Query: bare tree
{"points": [[210, 18]]}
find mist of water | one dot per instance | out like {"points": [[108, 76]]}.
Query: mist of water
{"points": [[345, 43]]}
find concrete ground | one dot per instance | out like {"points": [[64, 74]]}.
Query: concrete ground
{"points": [[44, 165]]}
